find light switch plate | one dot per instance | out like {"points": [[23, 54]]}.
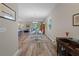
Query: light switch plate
{"points": [[2, 29]]}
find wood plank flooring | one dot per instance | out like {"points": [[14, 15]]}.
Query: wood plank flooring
{"points": [[31, 47]]}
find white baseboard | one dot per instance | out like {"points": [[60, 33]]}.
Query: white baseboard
{"points": [[18, 52], [53, 40]]}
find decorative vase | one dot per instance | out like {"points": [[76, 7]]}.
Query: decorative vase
{"points": [[67, 34]]}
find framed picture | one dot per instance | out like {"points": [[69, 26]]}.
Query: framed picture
{"points": [[6, 12], [76, 19], [50, 23]]}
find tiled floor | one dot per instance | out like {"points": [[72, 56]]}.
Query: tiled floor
{"points": [[32, 47]]}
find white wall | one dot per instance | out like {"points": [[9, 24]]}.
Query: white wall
{"points": [[62, 16], [8, 38]]}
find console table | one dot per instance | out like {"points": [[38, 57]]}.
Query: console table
{"points": [[67, 47]]}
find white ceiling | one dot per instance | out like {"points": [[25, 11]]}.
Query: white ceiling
{"points": [[34, 11]]}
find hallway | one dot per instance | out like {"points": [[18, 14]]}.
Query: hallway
{"points": [[41, 26], [32, 47]]}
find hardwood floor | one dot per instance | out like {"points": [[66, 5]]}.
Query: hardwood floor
{"points": [[32, 47]]}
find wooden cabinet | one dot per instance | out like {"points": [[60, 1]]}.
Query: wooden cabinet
{"points": [[67, 47]]}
